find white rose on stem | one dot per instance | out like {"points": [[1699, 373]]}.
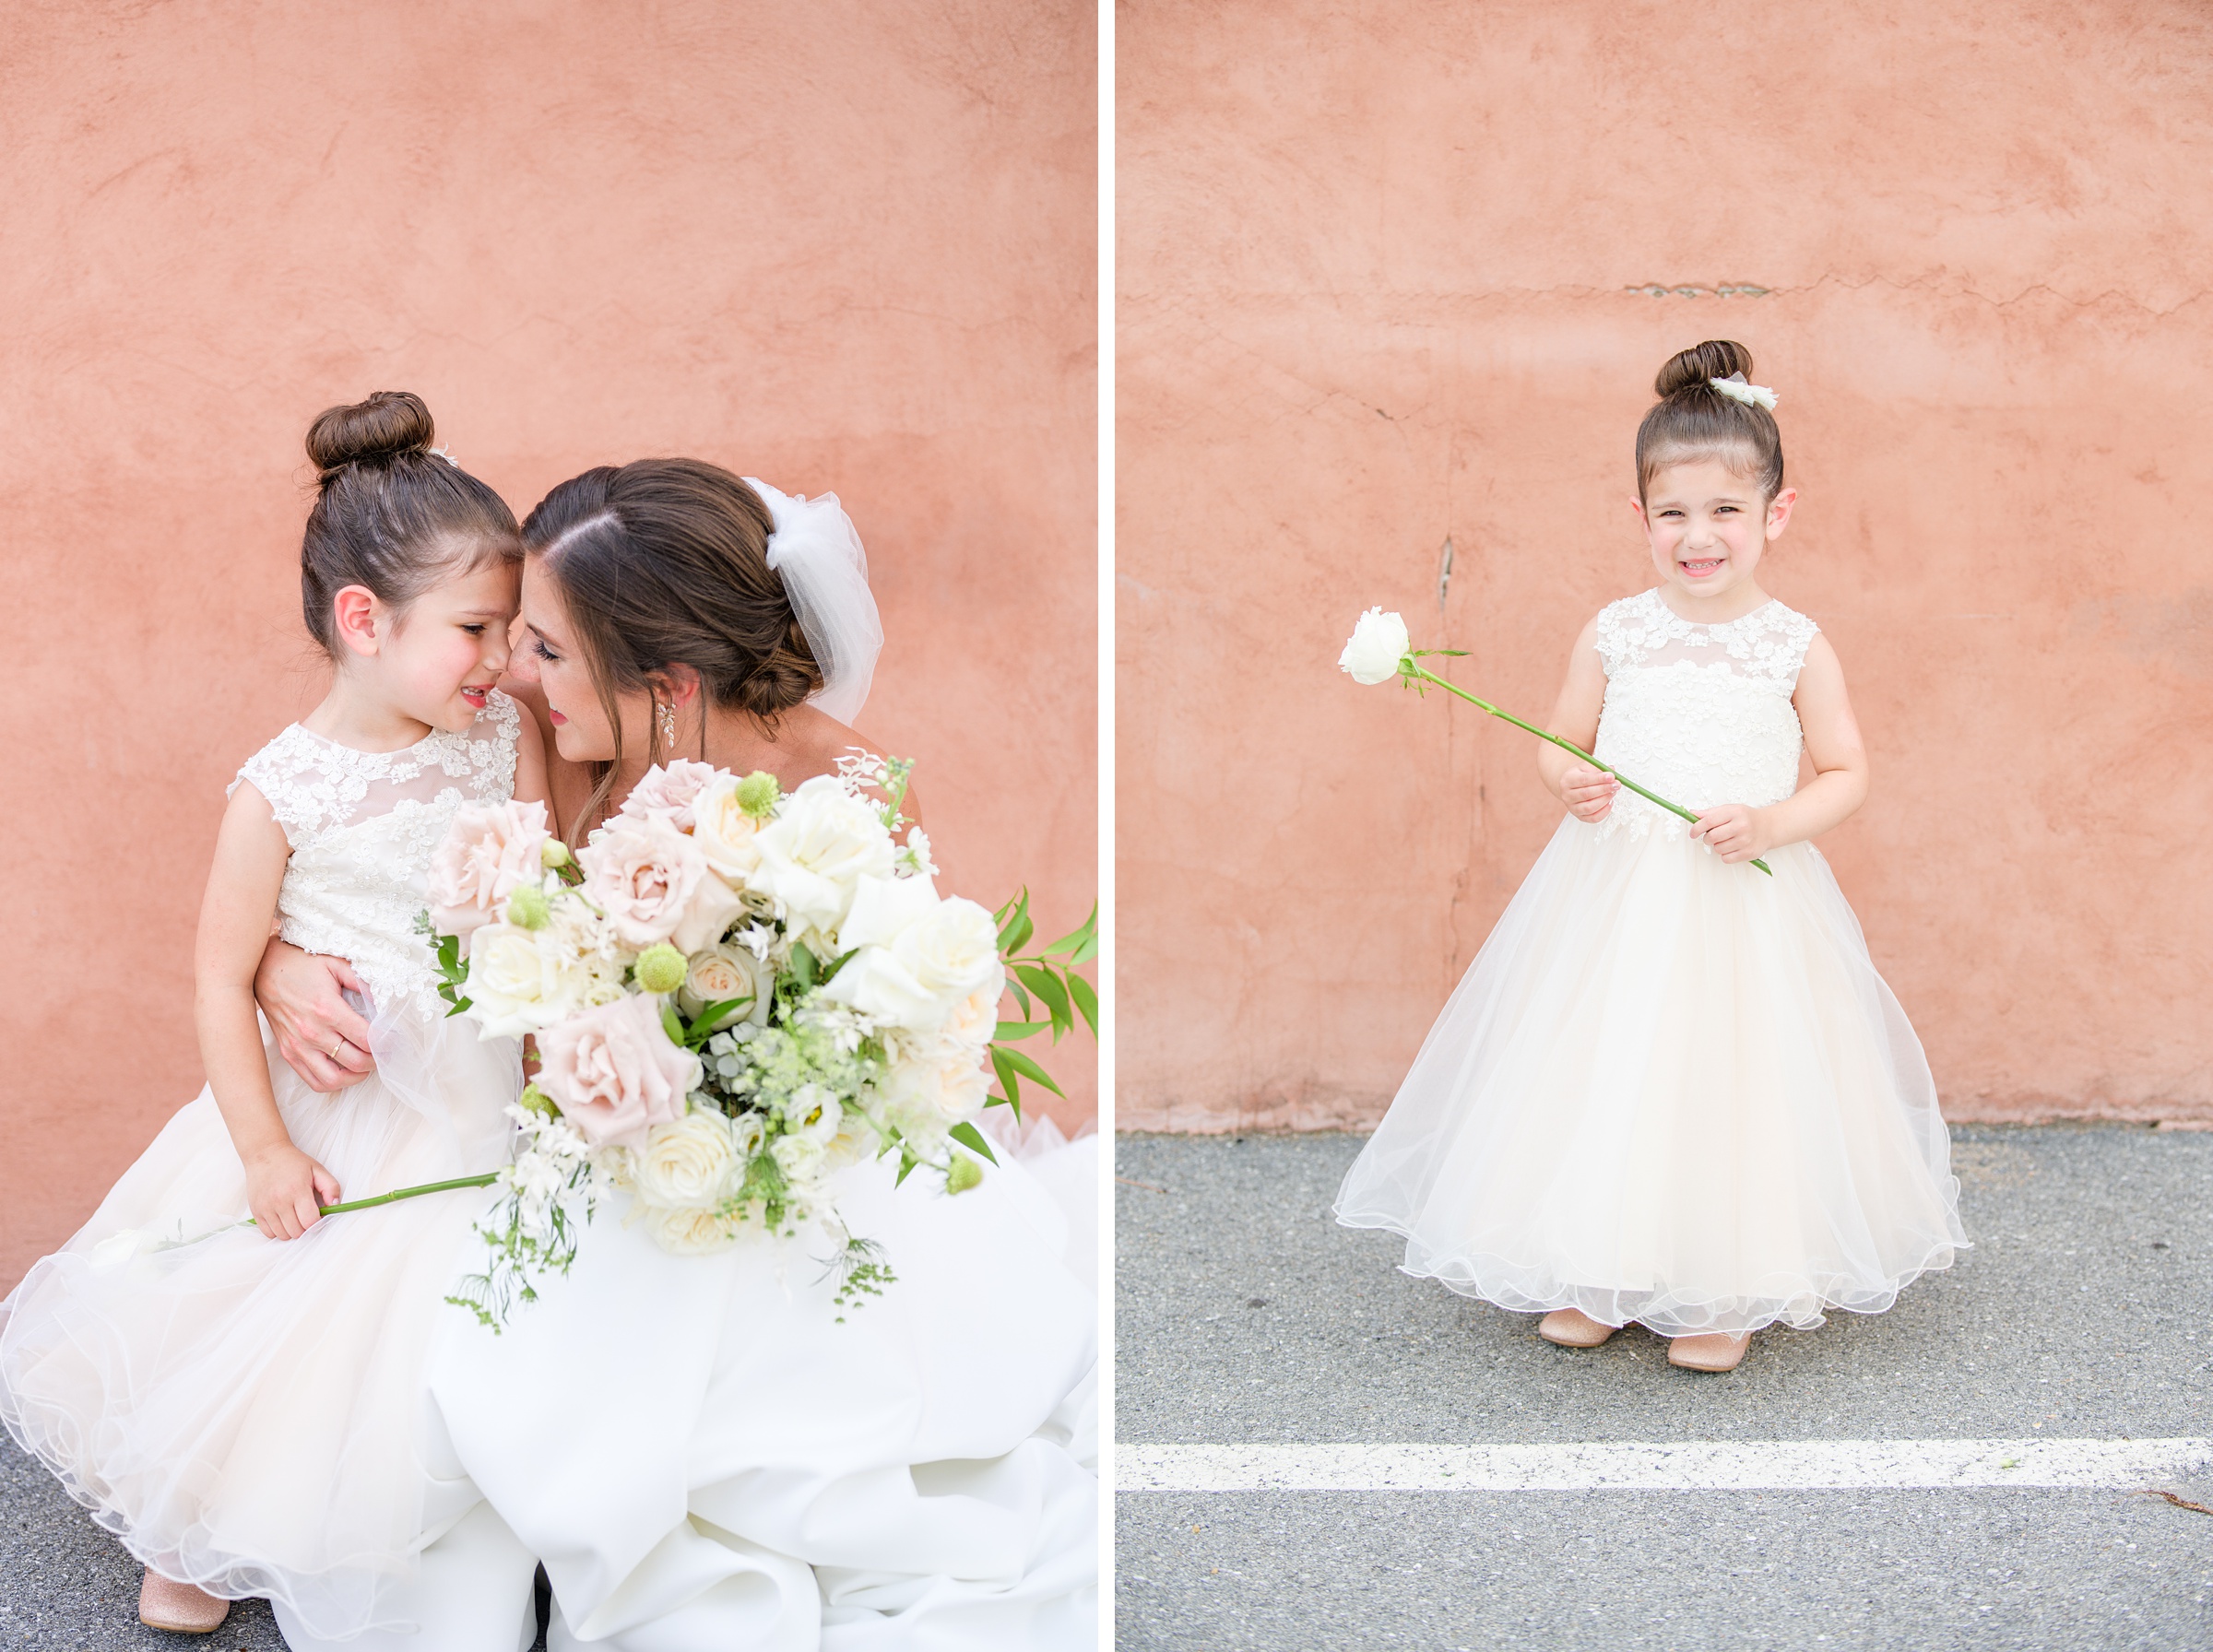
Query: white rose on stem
{"points": [[489, 851], [800, 1157], [724, 831], [690, 1164], [671, 792], [642, 874], [817, 849], [1379, 641], [721, 973]]}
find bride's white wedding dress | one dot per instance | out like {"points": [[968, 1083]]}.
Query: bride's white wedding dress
{"points": [[1671, 1089], [244, 1413]]}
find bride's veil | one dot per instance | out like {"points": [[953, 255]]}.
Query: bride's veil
{"points": [[816, 553]]}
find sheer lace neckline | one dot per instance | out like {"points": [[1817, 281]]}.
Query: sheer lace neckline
{"points": [[395, 752], [1660, 602]]}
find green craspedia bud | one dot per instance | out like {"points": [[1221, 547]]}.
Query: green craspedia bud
{"points": [[757, 794], [527, 908], [553, 854], [660, 968], [964, 1173], [537, 1101]]}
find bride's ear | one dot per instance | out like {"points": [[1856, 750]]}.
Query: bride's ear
{"points": [[675, 684]]}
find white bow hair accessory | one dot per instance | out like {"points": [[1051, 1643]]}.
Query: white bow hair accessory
{"points": [[1752, 395], [817, 554]]}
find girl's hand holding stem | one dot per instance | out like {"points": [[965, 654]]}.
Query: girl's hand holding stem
{"points": [[1588, 793], [1737, 831], [287, 1190]]}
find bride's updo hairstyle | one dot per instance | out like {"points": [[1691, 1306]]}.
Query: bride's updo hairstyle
{"points": [[1694, 420], [665, 562], [390, 515]]}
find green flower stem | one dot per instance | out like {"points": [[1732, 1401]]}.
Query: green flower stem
{"points": [[1408, 668], [393, 1197]]}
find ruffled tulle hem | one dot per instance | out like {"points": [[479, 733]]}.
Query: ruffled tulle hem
{"points": [[1800, 1303]]}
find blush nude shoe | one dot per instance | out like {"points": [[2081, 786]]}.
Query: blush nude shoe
{"points": [[1571, 1327], [164, 1603], [1716, 1350]]}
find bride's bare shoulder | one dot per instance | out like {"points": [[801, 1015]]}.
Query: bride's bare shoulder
{"points": [[819, 742]]}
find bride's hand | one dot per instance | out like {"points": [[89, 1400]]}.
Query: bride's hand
{"points": [[318, 1034], [1589, 793]]}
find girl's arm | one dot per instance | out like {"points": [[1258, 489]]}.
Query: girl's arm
{"points": [[284, 1186], [1587, 792], [1737, 831]]}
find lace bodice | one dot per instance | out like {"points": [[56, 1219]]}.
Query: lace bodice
{"points": [[363, 826], [1699, 714]]}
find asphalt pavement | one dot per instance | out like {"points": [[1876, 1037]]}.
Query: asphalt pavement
{"points": [[2085, 1311]]}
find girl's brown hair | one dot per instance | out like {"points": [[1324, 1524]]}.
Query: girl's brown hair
{"points": [[1694, 420], [389, 515], [665, 562]]}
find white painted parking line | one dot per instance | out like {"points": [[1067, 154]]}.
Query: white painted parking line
{"points": [[1673, 1466]]}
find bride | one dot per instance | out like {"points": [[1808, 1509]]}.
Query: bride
{"points": [[694, 1447]]}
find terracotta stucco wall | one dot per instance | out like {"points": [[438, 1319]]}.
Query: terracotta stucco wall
{"points": [[1395, 272], [843, 246]]}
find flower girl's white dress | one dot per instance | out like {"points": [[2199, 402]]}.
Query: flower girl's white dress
{"points": [[1671, 1089], [246, 1414]]}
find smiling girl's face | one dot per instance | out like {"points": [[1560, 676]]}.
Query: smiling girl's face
{"points": [[548, 653], [1707, 527]]}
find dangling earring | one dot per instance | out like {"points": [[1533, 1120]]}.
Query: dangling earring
{"points": [[668, 715]]}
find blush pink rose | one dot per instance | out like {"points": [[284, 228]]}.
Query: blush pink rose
{"points": [[613, 1072], [668, 792], [489, 851], [644, 874]]}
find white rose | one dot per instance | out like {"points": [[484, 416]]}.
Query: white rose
{"points": [[1380, 643], [691, 1164], [975, 1020], [800, 1157], [721, 973], [934, 1094], [815, 851], [683, 1232], [724, 831], [642, 874], [916, 955], [521, 981]]}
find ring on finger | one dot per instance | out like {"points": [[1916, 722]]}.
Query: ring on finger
{"points": [[336, 1048]]}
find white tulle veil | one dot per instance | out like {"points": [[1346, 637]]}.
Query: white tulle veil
{"points": [[816, 553]]}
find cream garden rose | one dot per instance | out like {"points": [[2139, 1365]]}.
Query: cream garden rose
{"points": [[489, 851], [816, 850], [521, 980], [690, 1164], [684, 1232], [719, 973], [725, 832]]}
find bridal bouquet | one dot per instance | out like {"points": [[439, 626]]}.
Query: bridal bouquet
{"points": [[736, 993]]}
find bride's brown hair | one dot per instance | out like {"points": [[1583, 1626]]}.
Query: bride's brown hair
{"points": [[1694, 420], [665, 562]]}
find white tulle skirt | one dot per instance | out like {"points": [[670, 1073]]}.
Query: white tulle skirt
{"points": [[245, 1413], [703, 1456], [1668, 1091]]}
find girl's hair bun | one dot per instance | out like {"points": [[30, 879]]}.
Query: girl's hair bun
{"points": [[1716, 358], [391, 422]]}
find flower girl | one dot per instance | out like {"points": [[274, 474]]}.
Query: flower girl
{"points": [[240, 1403], [1672, 1089]]}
